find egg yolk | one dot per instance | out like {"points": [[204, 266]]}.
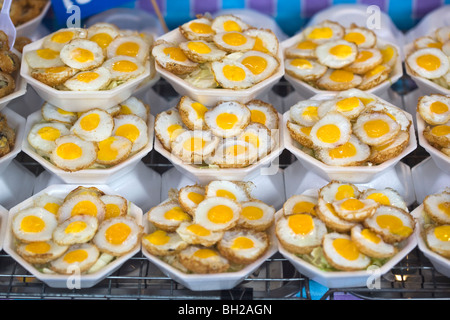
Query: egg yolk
{"points": [[329, 133], [198, 230], [441, 130], [82, 55], [105, 150], [331, 209], [124, 66], [258, 116], [200, 109], [117, 233], [304, 207], [199, 27], [231, 25], [352, 204], [129, 131], [233, 73], [237, 150], [49, 133], [84, 207], [442, 233], [377, 70], [205, 253], [52, 207], [195, 197], [341, 76], [376, 128], [75, 227], [341, 51], [234, 39], [311, 113], [199, 47], [159, 238], [363, 56], [38, 247], [87, 77], [346, 248], [347, 104], [47, 54], [220, 214], [345, 191], [175, 53], [226, 120], [90, 121], [444, 207], [251, 138], [177, 214], [355, 37], [393, 224], [56, 69], [300, 223], [69, 151], [75, 256], [225, 194], [174, 130], [438, 107], [32, 224], [301, 63], [387, 53], [64, 112], [112, 210], [321, 33], [129, 48], [103, 39], [306, 130], [252, 212], [435, 45], [428, 62], [306, 45], [242, 243], [370, 235], [194, 144], [347, 150], [255, 64], [62, 36], [380, 198], [259, 45]]}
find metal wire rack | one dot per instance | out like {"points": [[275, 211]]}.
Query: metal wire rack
{"points": [[276, 279]]}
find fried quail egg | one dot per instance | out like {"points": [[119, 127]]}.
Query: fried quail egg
{"points": [[366, 60], [43, 58], [325, 211], [429, 63], [93, 80], [243, 246], [426, 42], [437, 206], [237, 191], [442, 34], [52, 113], [261, 65], [40, 252], [335, 191], [76, 229], [168, 216], [437, 239], [233, 41], [79, 256], [115, 205], [113, 150], [130, 46], [338, 80], [172, 58], [395, 113], [434, 108], [362, 37], [438, 135], [353, 209], [265, 40], [336, 54], [194, 146], [192, 113], [81, 190], [364, 97], [93, 125], [305, 49], [227, 119], [260, 137], [232, 75], [201, 260], [304, 69], [34, 224], [256, 215], [190, 196], [351, 153], [197, 29], [118, 236], [82, 204], [324, 31], [53, 76], [331, 131], [351, 107], [123, 67], [342, 253], [103, 34], [390, 150], [234, 153], [390, 55], [58, 39], [168, 125], [217, 213], [392, 224], [133, 128], [375, 128], [48, 202], [82, 54], [42, 136], [300, 134], [162, 243], [264, 113], [135, 106], [374, 77], [72, 153], [386, 197], [305, 112], [228, 23], [300, 203], [202, 51], [300, 233], [196, 234], [370, 244]]}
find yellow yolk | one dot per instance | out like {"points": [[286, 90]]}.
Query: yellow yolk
{"points": [[341, 76], [82, 55], [198, 230], [306, 130], [56, 69], [172, 130], [32, 224], [87, 77], [175, 53], [90, 121], [341, 51], [200, 109], [177, 214], [75, 256], [237, 150], [102, 39], [376, 128], [441, 130], [345, 191], [355, 37], [306, 45], [226, 120], [112, 210], [199, 27], [194, 144], [438, 107], [251, 138], [124, 66], [444, 207], [370, 235], [130, 49], [233, 73], [205, 253], [330, 207], [231, 25], [442, 232], [234, 39], [129, 131], [301, 63], [52, 207], [347, 104], [378, 69], [352, 204], [380, 198], [346, 248], [62, 36], [105, 150], [393, 224], [159, 238], [255, 64], [225, 194], [49, 133], [75, 227], [364, 56], [329, 133], [220, 214], [346, 150], [321, 33], [69, 151], [47, 54], [64, 112], [199, 47], [252, 213], [38, 247], [85, 207], [241, 243], [304, 207], [300, 223], [435, 45], [429, 62], [311, 113], [195, 197], [387, 54], [259, 45], [258, 116], [117, 233]]}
